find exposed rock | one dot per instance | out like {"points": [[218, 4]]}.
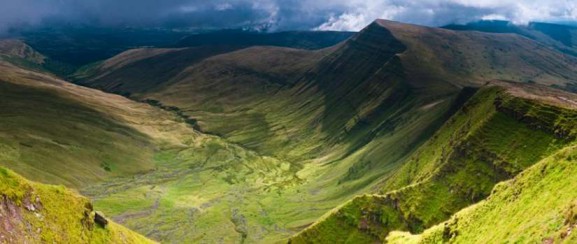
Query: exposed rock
{"points": [[100, 219]]}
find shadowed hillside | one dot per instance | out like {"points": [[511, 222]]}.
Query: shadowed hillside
{"points": [[135, 71]]}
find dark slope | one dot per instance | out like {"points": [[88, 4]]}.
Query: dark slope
{"points": [[143, 73], [561, 33], [69, 47], [149, 68], [83, 45]]}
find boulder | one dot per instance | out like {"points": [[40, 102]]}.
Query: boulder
{"points": [[100, 219]]}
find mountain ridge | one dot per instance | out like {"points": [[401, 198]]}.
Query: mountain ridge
{"points": [[446, 175]]}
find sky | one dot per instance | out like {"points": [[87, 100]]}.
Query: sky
{"points": [[274, 15]]}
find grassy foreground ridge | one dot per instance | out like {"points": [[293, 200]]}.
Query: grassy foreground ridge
{"points": [[37, 213]]}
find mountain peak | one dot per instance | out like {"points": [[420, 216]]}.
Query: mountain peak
{"points": [[465, 58], [395, 26]]}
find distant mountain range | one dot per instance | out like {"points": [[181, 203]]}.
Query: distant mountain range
{"points": [[560, 36]]}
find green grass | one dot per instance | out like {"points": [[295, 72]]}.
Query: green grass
{"points": [[40, 213], [194, 190]]}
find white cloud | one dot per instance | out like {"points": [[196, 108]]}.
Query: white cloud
{"points": [[494, 17], [359, 17], [440, 12], [346, 21]]}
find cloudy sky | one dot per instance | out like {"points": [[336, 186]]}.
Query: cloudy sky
{"points": [[279, 14]]}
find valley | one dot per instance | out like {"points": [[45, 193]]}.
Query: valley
{"points": [[398, 133]]}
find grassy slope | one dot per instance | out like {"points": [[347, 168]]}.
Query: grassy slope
{"points": [[483, 144], [48, 125], [535, 206], [36, 213]]}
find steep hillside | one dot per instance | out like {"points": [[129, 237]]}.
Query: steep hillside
{"points": [[258, 91], [49, 125], [37, 213], [498, 133], [535, 206], [306, 185]]}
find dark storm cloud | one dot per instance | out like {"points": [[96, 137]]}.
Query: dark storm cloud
{"points": [[277, 14]]}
